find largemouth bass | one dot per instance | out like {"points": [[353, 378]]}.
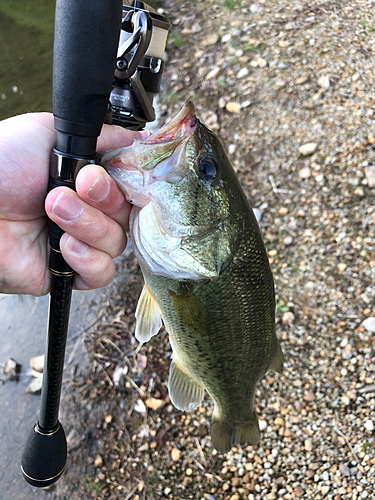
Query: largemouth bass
{"points": [[206, 271]]}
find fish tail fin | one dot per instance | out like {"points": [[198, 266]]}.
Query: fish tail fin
{"points": [[225, 434]]}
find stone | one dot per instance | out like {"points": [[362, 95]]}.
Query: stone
{"points": [[309, 396], [324, 490], [369, 425], [288, 240], [210, 40], [196, 28], [226, 38], [369, 324], [308, 149], [211, 75], [370, 176], [98, 461], [37, 363], [118, 374], [288, 318], [139, 406], [233, 107], [324, 82], [243, 73], [35, 386], [11, 369], [305, 173], [175, 454], [263, 425], [155, 404], [341, 267], [298, 491]]}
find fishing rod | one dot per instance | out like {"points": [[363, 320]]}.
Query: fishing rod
{"points": [[97, 77]]}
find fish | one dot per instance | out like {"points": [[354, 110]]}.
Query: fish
{"points": [[206, 272]]}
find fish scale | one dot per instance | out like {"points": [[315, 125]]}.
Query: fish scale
{"points": [[215, 292]]}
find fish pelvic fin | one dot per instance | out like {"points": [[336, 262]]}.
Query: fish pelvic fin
{"points": [[148, 315], [226, 434], [186, 394], [277, 364]]}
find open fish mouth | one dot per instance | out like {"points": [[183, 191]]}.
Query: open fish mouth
{"points": [[182, 124]]}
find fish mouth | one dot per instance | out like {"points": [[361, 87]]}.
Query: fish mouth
{"points": [[181, 125]]}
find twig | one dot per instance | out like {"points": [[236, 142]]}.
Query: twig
{"points": [[132, 492], [134, 385], [347, 442], [106, 340], [201, 454], [106, 373], [275, 189], [88, 327]]}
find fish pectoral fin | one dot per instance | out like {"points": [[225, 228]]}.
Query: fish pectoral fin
{"points": [[226, 434], [278, 361], [148, 315], [186, 394]]}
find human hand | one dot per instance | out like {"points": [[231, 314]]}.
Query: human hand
{"points": [[95, 217]]}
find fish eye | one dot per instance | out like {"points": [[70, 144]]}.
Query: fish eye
{"points": [[207, 169]]}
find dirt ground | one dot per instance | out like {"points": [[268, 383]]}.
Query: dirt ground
{"points": [[289, 87]]}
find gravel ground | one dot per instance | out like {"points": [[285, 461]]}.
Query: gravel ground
{"points": [[289, 87]]}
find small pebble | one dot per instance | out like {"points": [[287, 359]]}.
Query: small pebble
{"points": [[369, 425], [369, 324], [341, 267], [37, 363], [263, 425], [11, 369], [35, 386], [210, 40], [211, 75], [308, 445], [175, 454], [308, 148], [155, 404], [196, 28], [242, 73], [324, 490], [305, 172], [233, 107], [309, 396], [288, 318], [288, 240], [370, 176], [226, 38], [324, 82]]}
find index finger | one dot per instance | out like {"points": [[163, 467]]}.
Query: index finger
{"points": [[113, 137]]}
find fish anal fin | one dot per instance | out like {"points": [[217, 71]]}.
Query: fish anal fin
{"points": [[148, 315], [278, 361], [186, 394], [226, 434]]}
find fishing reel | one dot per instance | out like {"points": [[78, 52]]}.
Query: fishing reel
{"points": [[139, 66]]}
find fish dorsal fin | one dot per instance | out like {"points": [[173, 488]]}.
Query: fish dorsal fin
{"points": [[278, 361], [186, 394], [148, 315]]}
